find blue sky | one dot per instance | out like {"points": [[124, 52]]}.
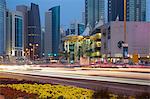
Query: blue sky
{"points": [[70, 9]]}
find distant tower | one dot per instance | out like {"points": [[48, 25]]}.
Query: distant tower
{"points": [[52, 31], [83, 17]]}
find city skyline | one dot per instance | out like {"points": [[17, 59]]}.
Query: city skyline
{"points": [[72, 49], [67, 15]]}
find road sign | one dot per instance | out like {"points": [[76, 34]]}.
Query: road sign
{"points": [[125, 45], [125, 52]]}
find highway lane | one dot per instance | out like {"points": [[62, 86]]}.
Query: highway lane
{"points": [[62, 73], [123, 75], [102, 72]]}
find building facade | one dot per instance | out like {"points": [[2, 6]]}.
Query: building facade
{"points": [[48, 34], [136, 10], [34, 31], [76, 28], [24, 10], [8, 32], [94, 11], [115, 9], [17, 36], [113, 33], [52, 31], [2, 26]]}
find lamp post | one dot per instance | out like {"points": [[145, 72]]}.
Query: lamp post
{"points": [[27, 52], [125, 45], [33, 49]]}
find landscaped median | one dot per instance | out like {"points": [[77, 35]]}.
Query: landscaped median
{"points": [[44, 91], [24, 89]]}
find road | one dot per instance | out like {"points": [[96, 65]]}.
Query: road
{"points": [[128, 76], [124, 80]]}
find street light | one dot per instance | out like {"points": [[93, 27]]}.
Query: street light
{"points": [[33, 48], [27, 51]]}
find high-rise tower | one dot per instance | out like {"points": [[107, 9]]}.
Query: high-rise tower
{"points": [[2, 26], [34, 30], [52, 31]]}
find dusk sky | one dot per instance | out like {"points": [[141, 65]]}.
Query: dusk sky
{"points": [[70, 9]]}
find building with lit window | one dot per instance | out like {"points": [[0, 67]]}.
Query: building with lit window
{"points": [[34, 31], [79, 48]]}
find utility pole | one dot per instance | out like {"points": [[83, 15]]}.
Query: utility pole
{"points": [[125, 21], [125, 45]]}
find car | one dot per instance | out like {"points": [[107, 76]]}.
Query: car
{"points": [[53, 61]]}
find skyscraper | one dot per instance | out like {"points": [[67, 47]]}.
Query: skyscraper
{"points": [[48, 34], [14, 34], [52, 31], [94, 11], [83, 17], [8, 33], [136, 10], [115, 8], [34, 30], [24, 10], [2, 26]]}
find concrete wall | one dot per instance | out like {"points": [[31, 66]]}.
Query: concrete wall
{"points": [[138, 37]]}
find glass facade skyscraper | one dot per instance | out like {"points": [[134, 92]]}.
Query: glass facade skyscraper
{"points": [[115, 8], [2, 26], [34, 29], [55, 29], [24, 10], [17, 41], [94, 11], [52, 31], [19, 32], [136, 10]]}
